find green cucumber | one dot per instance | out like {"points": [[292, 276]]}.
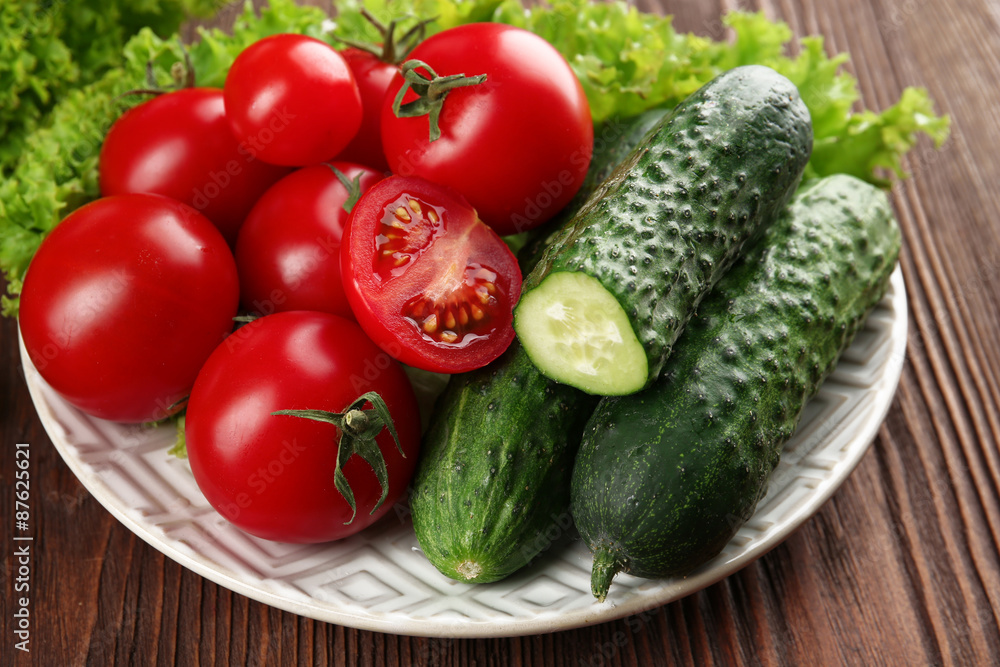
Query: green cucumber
{"points": [[616, 285], [491, 489], [665, 477], [492, 486]]}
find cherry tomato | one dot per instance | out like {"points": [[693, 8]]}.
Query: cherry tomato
{"points": [[517, 145], [288, 252], [373, 76], [124, 301], [274, 475], [293, 100], [427, 280], [178, 144]]}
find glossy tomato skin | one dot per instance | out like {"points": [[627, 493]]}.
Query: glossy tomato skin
{"points": [[427, 280], [288, 252], [374, 77], [272, 475], [124, 301], [516, 146], [178, 144], [293, 100]]}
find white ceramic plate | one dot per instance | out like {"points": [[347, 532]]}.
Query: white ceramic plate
{"points": [[379, 580]]}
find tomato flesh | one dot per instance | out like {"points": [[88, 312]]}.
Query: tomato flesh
{"points": [[427, 279]]}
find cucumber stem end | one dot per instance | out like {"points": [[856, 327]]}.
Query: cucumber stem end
{"points": [[606, 566]]}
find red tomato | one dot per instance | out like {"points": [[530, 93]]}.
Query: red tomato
{"points": [[288, 252], [293, 100], [373, 76], [178, 144], [124, 301], [273, 475], [517, 146], [427, 280]]}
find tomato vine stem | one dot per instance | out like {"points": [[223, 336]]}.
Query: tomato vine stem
{"points": [[358, 428], [431, 92], [393, 49]]}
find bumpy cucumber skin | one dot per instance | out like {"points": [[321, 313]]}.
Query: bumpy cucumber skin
{"points": [[613, 141], [493, 477], [671, 220], [665, 477]]}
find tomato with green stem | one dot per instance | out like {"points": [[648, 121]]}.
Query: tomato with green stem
{"points": [[299, 429], [373, 77], [374, 67], [496, 113], [427, 280]]}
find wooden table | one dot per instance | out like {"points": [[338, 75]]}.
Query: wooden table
{"points": [[901, 566]]}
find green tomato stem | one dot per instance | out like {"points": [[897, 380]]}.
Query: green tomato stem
{"points": [[358, 430], [431, 92], [392, 50]]}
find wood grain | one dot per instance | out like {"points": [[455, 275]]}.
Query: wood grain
{"points": [[900, 567]]}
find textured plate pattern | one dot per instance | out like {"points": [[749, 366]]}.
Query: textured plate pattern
{"points": [[378, 580]]}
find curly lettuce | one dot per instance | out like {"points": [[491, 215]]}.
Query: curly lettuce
{"points": [[627, 61], [36, 66], [48, 47]]}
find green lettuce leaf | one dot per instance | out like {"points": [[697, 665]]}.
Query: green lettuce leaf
{"points": [[35, 68], [627, 61], [47, 48], [179, 448]]}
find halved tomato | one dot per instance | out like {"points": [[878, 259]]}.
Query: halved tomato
{"points": [[427, 280]]}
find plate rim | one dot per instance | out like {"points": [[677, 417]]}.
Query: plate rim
{"points": [[598, 612]]}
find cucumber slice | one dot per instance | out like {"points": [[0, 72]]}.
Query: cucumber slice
{"points": [[577, 333]]}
